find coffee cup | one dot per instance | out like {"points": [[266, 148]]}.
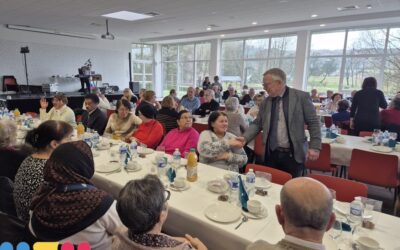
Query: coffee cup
{"points": [[367, 243], [179, 182], [254, 206]]}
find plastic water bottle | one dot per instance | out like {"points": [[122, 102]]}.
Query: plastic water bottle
{"points": [[123, 153], [95, 138], [162, 168], [133, 148], [176, 158], [250, 182], [234, 190], [356, 210]]}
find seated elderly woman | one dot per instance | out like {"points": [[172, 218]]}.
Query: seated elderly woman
{"points": [[143, 208], [11, 154], [68, 207], [343, 115], [219, 148], [184, 137], [237, 123], [332, 106], [44, 139], [122, 122], [167, 114], [150, 132], [149, 98], [129, 95], [209, 104], [390, 118]]}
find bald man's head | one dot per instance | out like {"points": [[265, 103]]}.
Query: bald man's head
{"points": [[306, 203]]}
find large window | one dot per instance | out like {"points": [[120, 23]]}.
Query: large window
{"points": [[340, 60], [185, 65], [142, 65], [244, 61]]}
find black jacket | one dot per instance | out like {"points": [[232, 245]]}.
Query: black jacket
{"points": [[207, 107], [96, 120]]}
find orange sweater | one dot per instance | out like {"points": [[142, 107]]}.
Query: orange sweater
{"points": [[149, 133]]}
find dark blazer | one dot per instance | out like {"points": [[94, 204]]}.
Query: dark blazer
{"points": [[245, 99], [301, 111], [207, 107], [365, 109], [96, 120]]}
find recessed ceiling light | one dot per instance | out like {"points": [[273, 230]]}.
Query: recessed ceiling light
{"points": [[209, 28], [369, 6], [254, 23], [222, 35], [266, 31], [322, 25], [127, 15], [314, 15]]}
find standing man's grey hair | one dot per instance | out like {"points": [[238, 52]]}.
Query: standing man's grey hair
{"points": [[140, 204], [277, 74], [232, 104]]}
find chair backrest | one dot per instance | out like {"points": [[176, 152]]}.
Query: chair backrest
{"points": [[278, 176], [346, 190], [324, 161], [365, 133], [258, 145], [200, 127], [110, 112], [373, 168], [344, 131], [328, 121]]}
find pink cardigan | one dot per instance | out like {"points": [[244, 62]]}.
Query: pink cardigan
{"points": [[184, 140]]}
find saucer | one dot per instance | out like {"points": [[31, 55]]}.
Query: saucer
{"points": [[138, 168], [186, 187], [218, 186], [262, 214]]}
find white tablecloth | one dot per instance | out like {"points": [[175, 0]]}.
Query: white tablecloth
{"points": [[186, 213]]}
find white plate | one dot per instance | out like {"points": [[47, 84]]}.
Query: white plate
{"points": [[223, 212], [381, 149], [145, 151], [133, 166], [102, 146], [327, 140], [260, 184], [133, 169], [186, 187], [107, 168], [218, 186], [261, 215]]}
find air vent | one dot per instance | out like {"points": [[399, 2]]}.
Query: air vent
{"points": [[347, 8], [153, 14]]}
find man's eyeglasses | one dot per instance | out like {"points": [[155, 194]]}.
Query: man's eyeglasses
{"points": [[167, 195]]}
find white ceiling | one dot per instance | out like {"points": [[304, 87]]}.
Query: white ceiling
{"points": [[186, 18]]}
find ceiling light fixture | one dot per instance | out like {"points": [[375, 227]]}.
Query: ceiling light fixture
{"points": [[314, 15], [254, 23], [209, 28], [130, 16], [322, 25], [369, 6], [51, 32], [222, 35], [107, 35], [266, 31]]}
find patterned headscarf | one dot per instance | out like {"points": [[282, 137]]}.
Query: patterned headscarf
{"points": [[67, 202]]}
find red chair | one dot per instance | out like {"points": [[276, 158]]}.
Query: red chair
{"points": [[375, 169], [365, 133], [259, 147], [328, 121], [323, 163], [346, 190], [344, 131], [278, 176], [110, 112], [200, 127]]}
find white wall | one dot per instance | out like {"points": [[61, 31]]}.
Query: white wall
{"points": [[57, 55]]}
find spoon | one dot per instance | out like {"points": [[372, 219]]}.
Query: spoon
{"points": [[244, 219]]}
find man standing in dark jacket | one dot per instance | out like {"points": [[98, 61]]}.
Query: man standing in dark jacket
{"points": [[93, 117]]}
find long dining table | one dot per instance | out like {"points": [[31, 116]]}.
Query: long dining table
{"points": [[186, 210]]}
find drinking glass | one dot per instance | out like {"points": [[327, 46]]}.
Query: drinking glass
{"points": [[336, 231], [393, 135]]}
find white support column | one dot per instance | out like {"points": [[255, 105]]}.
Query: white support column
{"points": [[215, 57], [300, 75], [157, 69]]}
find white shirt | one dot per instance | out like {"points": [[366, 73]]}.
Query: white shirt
{"points": [[63, 114], [305, 243]]}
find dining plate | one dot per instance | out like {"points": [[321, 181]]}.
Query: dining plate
{"points": [[145, 151], [381, 149], [107, 168], [327, 140], [223, 212], [262, 214], [262, 184], [174, 188], [218, 186], [133, 167], [103, 146]]}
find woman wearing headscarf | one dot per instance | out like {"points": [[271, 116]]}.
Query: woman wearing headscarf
{"points": [[67, 207]]}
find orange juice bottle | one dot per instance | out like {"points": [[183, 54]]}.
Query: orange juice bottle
{"points": [[17, 113], [80, 129], [192, 166]]}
